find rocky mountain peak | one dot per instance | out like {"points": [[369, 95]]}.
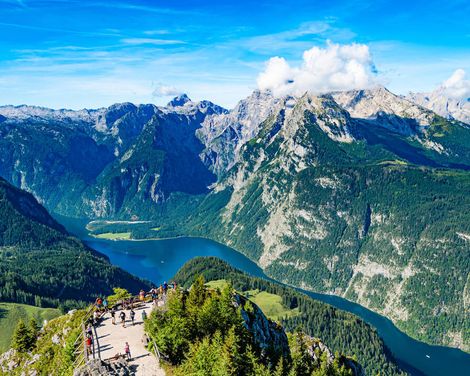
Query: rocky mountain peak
{"points": [[388, 110], [439, 102], [179, 101]]}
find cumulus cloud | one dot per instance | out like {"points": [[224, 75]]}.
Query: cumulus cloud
{"points": [[335, 67], [166, 91], [457, 86]]}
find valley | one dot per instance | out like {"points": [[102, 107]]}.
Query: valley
{"points": [[362, 194]]}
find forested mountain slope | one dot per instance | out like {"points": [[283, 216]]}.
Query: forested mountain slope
{"points": [[41, 264], [340, 331]]}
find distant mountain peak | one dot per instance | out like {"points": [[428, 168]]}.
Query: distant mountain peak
{"points": [[179, 101], [439, 102]]}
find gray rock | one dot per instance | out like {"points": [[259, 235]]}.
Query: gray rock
{"points": [[268, 335], [55, 339], [98, 367]]}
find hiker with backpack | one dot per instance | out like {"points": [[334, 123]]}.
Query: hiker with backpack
{"points": [[113, 316], [165, 287], [132, 314], [123, 319]]}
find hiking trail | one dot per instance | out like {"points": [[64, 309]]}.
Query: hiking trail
{"points": [[112, 339]]}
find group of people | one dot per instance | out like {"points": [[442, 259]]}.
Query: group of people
{"points": [[102, 307], [160, 292], [123, 316], [101, 304]]}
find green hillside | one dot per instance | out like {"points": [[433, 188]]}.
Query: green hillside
{"points": [[41, 265], [11, 313]]}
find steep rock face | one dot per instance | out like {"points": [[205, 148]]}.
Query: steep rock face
{"points": [[438, 102], [419, 125], [226, 133], [269, 336], [162, 160]]}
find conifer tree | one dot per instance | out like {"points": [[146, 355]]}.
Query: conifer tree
{"points": [[21, 340]]}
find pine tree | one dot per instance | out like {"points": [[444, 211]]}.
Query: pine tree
{"points": [[21, 340], [197, 294]]}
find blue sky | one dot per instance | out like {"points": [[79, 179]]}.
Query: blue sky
{"points": [[77, 54]]}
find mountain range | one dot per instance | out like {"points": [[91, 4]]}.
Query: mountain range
{"points": [[364, 194]]}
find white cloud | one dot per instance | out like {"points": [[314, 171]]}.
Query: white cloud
{"points": [[165, 91], [335, 67], [456, 86]]}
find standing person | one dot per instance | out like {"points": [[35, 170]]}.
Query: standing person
{"points": [[132, 314], [89, 331], [165, 287], [127, 350], [96, 318], [142, 295], [88, 342], [99, 302], [113, 316], [105, 305], [144, 315], [174, 285], [154, 296], [123, 318], [160, 291]]}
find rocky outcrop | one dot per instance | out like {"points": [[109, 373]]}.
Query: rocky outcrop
{"points": [[98, 367], [225, 134], [317, 350], [269, 336]]}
